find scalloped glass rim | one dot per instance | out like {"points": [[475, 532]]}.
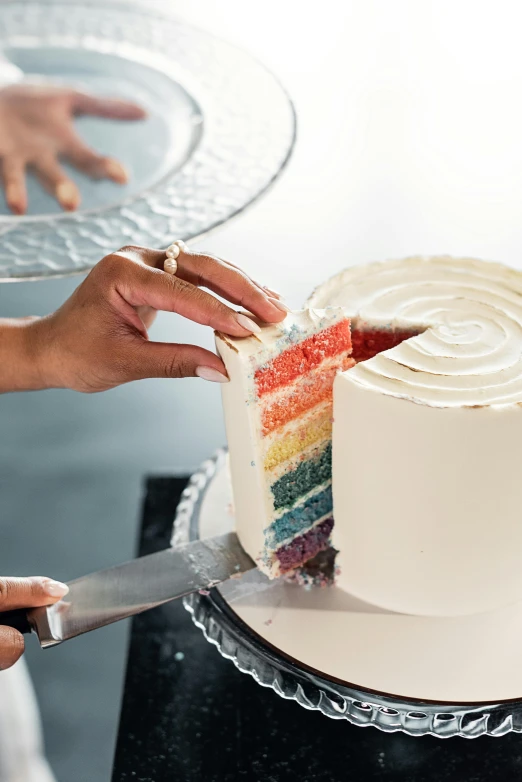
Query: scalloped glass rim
{"points": [[205, 66], [250, 654]]}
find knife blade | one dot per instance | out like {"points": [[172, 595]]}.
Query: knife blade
{"points": [[110, 595]]}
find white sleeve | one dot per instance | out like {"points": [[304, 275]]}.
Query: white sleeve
{"points": [[9, 73]]}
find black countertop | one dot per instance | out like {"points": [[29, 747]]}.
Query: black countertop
{"points": [[188, 714]]}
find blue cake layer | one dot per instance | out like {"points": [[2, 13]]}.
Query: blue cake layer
{"points": [[308, 474], [300, 518]]}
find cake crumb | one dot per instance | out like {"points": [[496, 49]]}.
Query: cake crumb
{"points": [[306, 581], [268, 622], [320, 571]]}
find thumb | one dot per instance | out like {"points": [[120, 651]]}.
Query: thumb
{"points": [[29, 592], [11, 647], [165, 359]]}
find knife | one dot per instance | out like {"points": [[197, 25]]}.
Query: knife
{"points": [[110, 595]]}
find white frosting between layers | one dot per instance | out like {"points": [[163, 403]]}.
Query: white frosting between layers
{"points": [[301, 534], [297, 386], [301, 500], [309, 452], [470, 353], [292, 427]]}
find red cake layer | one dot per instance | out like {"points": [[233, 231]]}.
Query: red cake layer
{"points": [[366, 343], [303, 357], [313, 391]]}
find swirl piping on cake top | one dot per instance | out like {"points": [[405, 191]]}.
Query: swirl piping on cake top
{"points": [[468, 317]]}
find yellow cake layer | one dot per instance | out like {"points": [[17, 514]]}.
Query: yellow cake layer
{"points": [[311, 431]]}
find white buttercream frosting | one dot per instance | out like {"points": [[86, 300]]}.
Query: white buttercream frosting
{"points": [[469, 312], [427, 496]]}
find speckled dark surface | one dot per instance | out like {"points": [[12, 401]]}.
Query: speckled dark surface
{"points": [[198, 719]]}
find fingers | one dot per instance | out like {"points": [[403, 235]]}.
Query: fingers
{"points": [[220, 277], [55, 181], [161, 359], [11, 647], [95, 165], [29, 592], [139, 285], [13, 178], [232, 284], [110, 108], [265, 288]]}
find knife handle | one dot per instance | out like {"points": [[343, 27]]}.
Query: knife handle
{"points": [[16, 619]]}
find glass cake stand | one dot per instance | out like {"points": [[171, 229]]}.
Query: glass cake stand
{"points": [[219, 130], [270, 667]]}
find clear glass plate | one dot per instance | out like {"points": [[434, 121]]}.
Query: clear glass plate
{"points": [[219, 131], [237, 642]]}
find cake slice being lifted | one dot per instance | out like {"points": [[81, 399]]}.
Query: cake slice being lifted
{"points": [[278, 415]]}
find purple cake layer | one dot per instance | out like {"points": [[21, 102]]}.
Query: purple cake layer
{"points": [[304, 547]]}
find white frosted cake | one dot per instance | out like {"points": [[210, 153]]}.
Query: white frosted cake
{"points": [[427, 434]]}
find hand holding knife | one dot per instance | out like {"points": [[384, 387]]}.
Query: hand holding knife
{"points": [[122, 591]]}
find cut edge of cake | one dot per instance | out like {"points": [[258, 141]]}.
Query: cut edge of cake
{"points": [[278, 416]]}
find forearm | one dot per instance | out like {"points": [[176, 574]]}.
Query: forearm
{"points": [[20, 355]]}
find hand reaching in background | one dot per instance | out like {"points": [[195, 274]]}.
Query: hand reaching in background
{"points": [[37, 131]]}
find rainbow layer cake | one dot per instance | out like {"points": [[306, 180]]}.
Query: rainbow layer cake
{"points": [[278, 414], [423, 360]]}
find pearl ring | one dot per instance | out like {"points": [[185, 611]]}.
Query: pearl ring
{"points": [[172, 252]]}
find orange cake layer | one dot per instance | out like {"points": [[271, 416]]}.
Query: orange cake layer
{"points": [[316, 389], [303, 357]]}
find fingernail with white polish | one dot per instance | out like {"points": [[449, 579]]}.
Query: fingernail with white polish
{"points": [[279, 304], [55, 588], [207, 373], [272, 292], [248, 324]]}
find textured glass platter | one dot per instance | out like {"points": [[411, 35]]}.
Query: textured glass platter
{"points": [[219, 130], [349, 660]]}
